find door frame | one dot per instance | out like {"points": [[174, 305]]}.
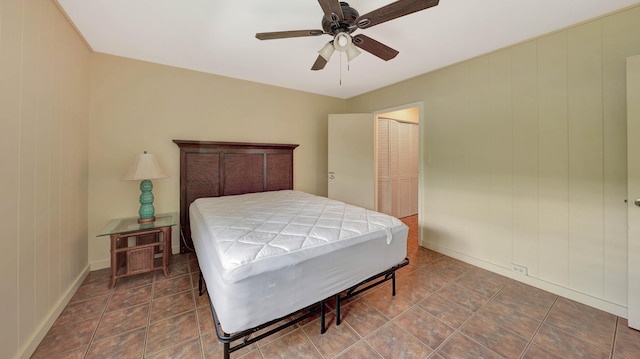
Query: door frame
{"points": [[421, 147], [633, 192]]}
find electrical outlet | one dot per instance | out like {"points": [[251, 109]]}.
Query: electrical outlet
{"points": [[518, 269]]}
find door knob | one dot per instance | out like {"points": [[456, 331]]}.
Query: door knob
{"points": [[637, 202]]}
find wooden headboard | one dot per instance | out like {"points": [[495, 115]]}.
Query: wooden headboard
{"points": [[213, 169]]}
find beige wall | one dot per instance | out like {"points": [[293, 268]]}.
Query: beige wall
{"points": [[524, 154], [44, 105], [524, 158], [137, 106]]}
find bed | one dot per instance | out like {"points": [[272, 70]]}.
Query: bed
{"points": [[266, 251]]}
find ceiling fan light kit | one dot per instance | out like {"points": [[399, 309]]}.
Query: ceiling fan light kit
{"points": [[352, 52], [327, 51], [340, 20], [342, 41]]}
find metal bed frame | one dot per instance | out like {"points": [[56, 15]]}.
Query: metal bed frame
{"points": [[246, 335]]}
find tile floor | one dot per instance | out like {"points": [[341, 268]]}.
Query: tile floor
{"points": [[444, 309]]}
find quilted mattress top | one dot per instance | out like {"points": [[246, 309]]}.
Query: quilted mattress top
{"points": [[283, 225]]}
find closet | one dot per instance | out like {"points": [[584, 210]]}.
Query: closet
{"points": [[397, 177]]}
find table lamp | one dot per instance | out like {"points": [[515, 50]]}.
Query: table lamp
{"points": [[145, 168]]}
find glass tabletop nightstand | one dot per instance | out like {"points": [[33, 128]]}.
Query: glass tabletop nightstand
{"points": [[139, 247]]}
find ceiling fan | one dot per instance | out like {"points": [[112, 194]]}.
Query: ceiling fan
{"points": [[340, 20]]}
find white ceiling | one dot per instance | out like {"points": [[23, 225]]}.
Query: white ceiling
{"points": [[218, 37]]}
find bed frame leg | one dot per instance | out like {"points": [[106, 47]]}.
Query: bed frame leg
{"points": [[200, 283], [323, 327], [226, 353], [393, 284], [338, 309]]}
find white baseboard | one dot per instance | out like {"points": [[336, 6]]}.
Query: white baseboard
{"points": [[32, 344], [100, 264], [579, 297]]}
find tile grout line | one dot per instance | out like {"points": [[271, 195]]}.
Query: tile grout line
{"points": [[195, 302], [299, 327], [456, 330], [571, 334], [530, 342], [416, 305], [150, 307], [434, 350], [95, 331], [615, 337], [389, 320], [151, 300], [360, 338], [194, 296], [413, 305], [363, 338], [459, 329], [175, 314], [149, 314]]}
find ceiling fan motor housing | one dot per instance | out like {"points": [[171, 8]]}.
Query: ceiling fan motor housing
{"points": [[346, 25]]}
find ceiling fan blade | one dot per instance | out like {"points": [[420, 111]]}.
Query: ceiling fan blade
{"points": [[319, 64], [287, 34], [374, 47], [393, 11], [332, 7]]}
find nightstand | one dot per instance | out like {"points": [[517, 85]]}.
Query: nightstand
{"points": [[139, 247]]}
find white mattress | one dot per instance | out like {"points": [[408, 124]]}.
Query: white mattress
{"points": [[265, 255]]}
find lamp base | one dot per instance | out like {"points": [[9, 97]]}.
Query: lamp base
{"points": [[146, 212], [147, 220]]}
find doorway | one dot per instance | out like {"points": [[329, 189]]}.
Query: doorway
{"points": [[398, 152], [353, 178]]}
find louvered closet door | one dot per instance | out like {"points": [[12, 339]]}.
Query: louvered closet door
{"points": [[398, 151], [415, 160], [394, 170], [384, 179], [404, 187]]}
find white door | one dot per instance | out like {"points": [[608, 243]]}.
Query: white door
{"points": [[351, 159], [633, 180]]}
